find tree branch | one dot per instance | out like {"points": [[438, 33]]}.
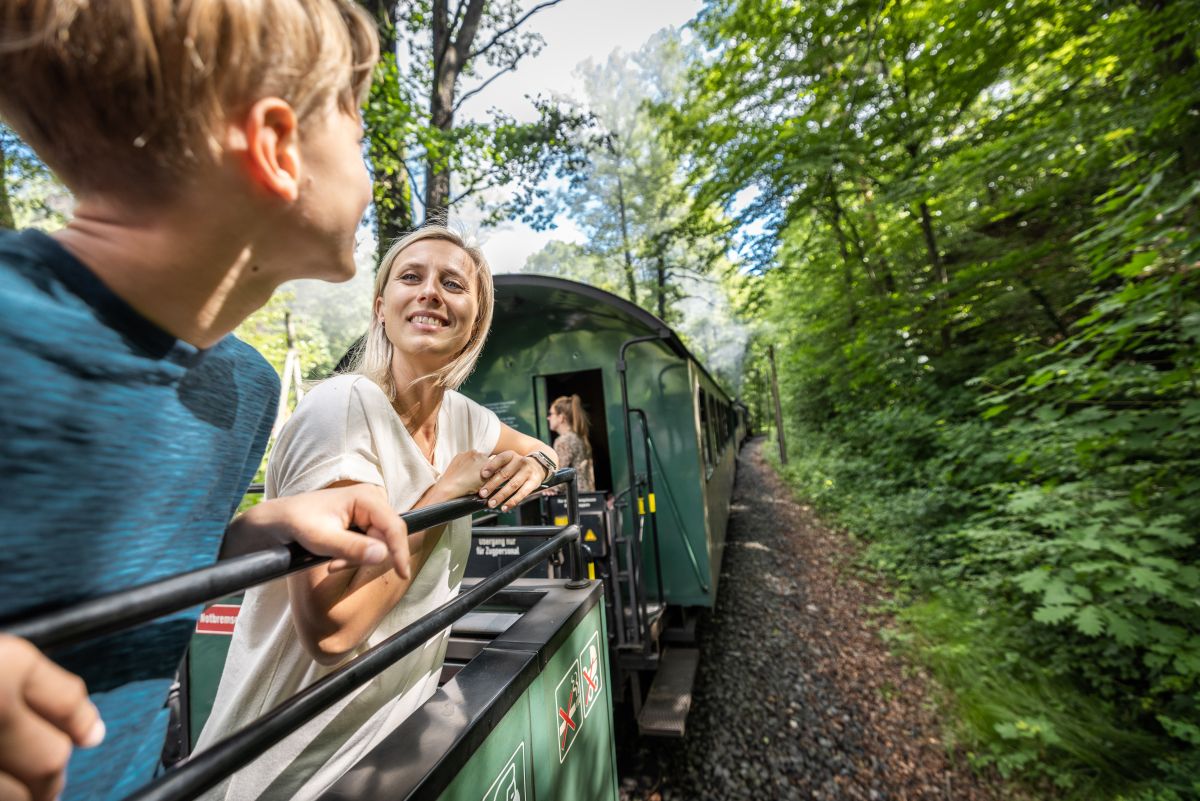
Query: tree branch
{"points": [[501, 34], [481, 87], [466, 33], [474, 186]]}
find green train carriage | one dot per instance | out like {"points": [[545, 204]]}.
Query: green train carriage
{"points": [[664, 437]]}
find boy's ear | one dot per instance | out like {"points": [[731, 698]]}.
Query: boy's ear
{"points": [[272, 147]]}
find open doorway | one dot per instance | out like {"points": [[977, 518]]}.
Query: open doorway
{"points": [[589, 386]]}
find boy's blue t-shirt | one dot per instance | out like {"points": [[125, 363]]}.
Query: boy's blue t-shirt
{"points": [[123, 455]]}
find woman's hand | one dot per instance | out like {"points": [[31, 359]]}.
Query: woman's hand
{"points": [[463, 476], [510, 479]]}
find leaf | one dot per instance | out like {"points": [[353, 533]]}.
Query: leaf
{"points": [[1057, 592], [1121, 629], [1149, 579], [1034, 580], [1089, 621], [1053, 614]]}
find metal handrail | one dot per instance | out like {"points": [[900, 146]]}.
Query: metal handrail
{"points": [[203, 771], [131, 607], [137, 605]]}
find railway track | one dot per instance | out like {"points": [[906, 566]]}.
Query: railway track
{"points": [[797, 696]]}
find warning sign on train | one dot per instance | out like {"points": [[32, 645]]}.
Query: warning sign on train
{"points": [[589, 672], [510, 784], [568, 702], [218, 619]]}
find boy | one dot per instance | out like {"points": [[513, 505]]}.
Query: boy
{"points": [[213, 148]]}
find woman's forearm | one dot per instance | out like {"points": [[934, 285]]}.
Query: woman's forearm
{"points": [[336, 611]]}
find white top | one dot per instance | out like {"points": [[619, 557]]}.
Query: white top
{"points": [[345, 429]]}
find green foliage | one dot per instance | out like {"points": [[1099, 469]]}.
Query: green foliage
{"points": [[30, 195], [979, 272], [266, 332], [414, 115], [628, 194]]}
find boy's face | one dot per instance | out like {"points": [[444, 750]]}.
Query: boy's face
{"points": [[334, 192]]}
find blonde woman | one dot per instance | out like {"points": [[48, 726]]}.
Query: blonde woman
{"points": [[569, 421], [394, 421]]}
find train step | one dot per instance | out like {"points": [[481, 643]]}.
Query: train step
{"points": [[655, 614], [670, 698]]}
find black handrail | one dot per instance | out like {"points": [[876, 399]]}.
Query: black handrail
{"points": [[132, 607], [204, 770], [649, 501]]}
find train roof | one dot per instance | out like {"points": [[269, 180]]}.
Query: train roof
{"points": [[566, 298]]}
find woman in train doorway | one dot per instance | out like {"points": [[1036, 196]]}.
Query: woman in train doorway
{"points": [[569, 421], [396, 421]]}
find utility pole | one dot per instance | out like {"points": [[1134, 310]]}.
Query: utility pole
{"points": [[778, 408], [292, 378]]}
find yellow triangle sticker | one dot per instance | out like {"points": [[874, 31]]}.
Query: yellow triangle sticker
{"points": [[590, 536]]}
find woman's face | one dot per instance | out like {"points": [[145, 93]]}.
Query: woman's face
{"points": [[429, 303], [554, 419]]}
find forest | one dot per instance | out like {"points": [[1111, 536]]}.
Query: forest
{"points": [[969, 231]]}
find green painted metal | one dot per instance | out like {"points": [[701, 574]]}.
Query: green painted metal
{"points": [[533, 754], [548, 327], [206, 659]]}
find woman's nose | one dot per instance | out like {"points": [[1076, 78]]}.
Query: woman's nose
{"points": [[430, 291]]}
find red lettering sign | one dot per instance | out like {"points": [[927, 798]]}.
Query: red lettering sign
{"points": [[218, 619]]}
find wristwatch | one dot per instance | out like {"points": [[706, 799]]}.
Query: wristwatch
{"points": [[544, 461]]}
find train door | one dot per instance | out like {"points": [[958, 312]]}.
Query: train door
{"points": [[589, 386]]}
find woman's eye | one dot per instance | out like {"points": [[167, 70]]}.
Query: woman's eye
{"points": [[450, 283], [410, 277]]}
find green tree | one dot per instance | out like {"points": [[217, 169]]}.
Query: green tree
{"points": [[631, 199], [973, 247]]}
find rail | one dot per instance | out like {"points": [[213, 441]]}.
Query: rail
{"points": [[131, 607]]}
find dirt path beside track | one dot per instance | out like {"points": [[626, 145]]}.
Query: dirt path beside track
{"points": [[797, 696]]}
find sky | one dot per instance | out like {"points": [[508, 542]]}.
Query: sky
{"points": [[575, 31]]}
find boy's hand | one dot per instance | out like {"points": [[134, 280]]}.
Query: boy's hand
{"points": [[321, 522], [44, 710]]}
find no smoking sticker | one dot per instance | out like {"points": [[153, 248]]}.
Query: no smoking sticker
{"points": [[569, 706], [589, 672], [576, 694]]}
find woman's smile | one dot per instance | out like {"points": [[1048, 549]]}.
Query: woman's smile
{"points": [[428, 321]]}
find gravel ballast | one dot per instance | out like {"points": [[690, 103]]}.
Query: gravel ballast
{"points": [[797, 696]]}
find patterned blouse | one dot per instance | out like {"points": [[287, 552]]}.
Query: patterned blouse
{"points": [[573, 451]]}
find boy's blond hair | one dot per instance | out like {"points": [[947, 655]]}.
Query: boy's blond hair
{"points": [[128, 96]]}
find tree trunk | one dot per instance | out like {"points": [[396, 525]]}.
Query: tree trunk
{"points": [[630, 277], [884, 268], [6, 213], [847, 265], [390, 186], [661, 267], [1046, 306], [939, 270], [451, 49]]}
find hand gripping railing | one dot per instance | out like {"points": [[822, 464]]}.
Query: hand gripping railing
{"points": [[137, 605]]}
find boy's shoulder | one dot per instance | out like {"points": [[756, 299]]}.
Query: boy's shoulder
{"points": [[30, 267]]}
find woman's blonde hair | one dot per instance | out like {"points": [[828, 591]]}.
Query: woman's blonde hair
{"points": [[374, 359], [571, 408], [129, 96]]}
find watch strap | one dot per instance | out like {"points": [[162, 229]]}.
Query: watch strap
{"points": [[544, 461]]}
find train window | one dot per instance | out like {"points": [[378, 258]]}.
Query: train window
{"points": [[712, 427], [721, 428], [705, 443]]}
